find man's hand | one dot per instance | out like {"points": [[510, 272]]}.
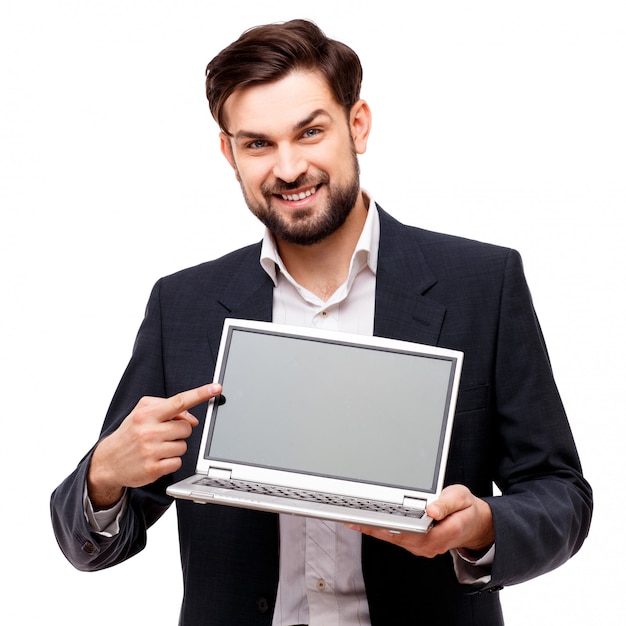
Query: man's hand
{"points": [[147, 445], [463, 522]]}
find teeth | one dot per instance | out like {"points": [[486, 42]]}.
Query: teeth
{"points": [[299, 196]]}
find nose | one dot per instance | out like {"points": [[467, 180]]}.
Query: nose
{"points": [[290, 163]]}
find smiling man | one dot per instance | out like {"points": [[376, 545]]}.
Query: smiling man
{"points": [[298, 170], [293, 148], [287, 101]]}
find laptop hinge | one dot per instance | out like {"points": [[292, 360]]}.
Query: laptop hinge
{"points": [[219, 472], [414, 503]]}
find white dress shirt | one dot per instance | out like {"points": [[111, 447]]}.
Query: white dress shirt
{"points": [[321, 580]]}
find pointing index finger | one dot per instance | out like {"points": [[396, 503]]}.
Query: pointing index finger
{"points": [[180, 403]]}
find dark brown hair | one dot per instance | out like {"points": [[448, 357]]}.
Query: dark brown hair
{"points": [[265, 54]]}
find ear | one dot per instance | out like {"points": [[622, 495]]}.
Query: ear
{"points": [[360, 125], [227, 151]]}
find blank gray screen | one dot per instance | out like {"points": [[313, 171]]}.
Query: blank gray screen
{"points": [[331, 408]]}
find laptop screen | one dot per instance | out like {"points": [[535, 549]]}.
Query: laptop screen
{"points": [[333, 408]]}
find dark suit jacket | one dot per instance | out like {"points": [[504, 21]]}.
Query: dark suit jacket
{"points": [[510, 429]]}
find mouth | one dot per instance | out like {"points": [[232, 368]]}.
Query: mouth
{"points": [[301, 195]]}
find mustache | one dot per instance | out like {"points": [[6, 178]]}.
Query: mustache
{"points": [[280, 187]]}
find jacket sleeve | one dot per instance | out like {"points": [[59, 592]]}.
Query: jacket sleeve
{"points": [[543, 515], [87, 550]]}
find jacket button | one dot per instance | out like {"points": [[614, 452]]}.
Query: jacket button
{"points": [[262, 606], [89, 548]]}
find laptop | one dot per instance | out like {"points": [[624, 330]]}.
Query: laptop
{"points": [[325, 424]]}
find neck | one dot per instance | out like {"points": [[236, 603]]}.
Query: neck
{"points": [[324, 266]]}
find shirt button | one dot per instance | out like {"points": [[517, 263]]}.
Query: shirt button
{"points": [[321, 584], [324, 313]]}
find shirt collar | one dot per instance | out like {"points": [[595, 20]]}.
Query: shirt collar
{"points": [[365, 252]]}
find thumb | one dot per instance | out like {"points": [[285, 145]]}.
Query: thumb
{"points": [[453, 498]]}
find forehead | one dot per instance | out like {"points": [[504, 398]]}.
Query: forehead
{"points": [[274, 107]]}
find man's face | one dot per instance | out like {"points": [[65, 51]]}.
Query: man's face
{"points": [[294, 154]]}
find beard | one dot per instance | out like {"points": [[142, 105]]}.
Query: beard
{"points": [[307, 226]]}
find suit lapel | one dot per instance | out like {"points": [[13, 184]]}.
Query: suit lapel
{"points": [[247, 295], [403, 311]]}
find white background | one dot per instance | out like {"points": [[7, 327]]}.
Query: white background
{"points": [[498, 121]]}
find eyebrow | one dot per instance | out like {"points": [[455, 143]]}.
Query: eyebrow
{"points": [[247, 134]]}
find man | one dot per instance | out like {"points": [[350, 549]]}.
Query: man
{"points": [[287, 100]]}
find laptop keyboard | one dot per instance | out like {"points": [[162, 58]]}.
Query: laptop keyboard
{"points": [[313, 496]]}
